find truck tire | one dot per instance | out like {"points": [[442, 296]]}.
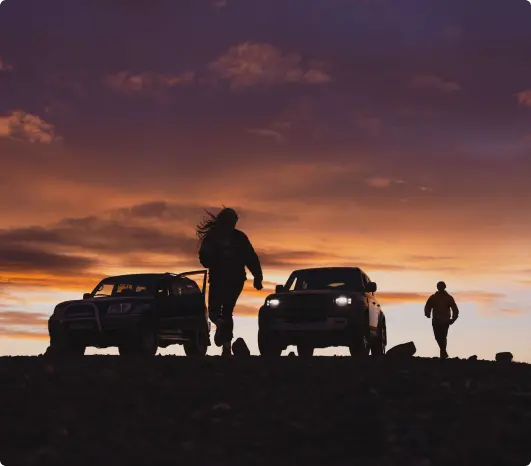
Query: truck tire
{"points": [[143, 343], [197, 346], [267, 345], [305, 351], [66, 349], [378, 343], [360, 346]]}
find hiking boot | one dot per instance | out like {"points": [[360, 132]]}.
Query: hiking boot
{"points": [[219, 336], [444, 354]]}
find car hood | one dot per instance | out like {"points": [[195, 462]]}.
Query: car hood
{"points": [[319, 293], [103, 303]]}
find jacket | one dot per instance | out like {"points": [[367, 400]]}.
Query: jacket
{"points": [[443, 306], [228, 262]]}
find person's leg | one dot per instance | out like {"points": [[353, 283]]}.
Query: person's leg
{"points": [[444, 338], [215, 304], [440, 331], [231, 294]]}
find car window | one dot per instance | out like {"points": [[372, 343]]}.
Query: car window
{"points": [[180, 286], [329, 279], [293, 284], [162, 289]]}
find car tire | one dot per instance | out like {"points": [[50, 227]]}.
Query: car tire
{"points": [[360, 347], [378, 343], [144, 343], [305, 351], [196, 347], [267, 345], [66, 349]]}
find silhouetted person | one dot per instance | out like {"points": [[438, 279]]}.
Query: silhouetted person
{"points": [[445, 313], [226, 251]]}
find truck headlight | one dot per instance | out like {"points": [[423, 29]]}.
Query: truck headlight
{"points": [[273, 302], [119, 308], [343, 300]]}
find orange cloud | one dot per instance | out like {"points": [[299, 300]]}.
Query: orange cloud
{"points": [[251, 64], [26, 127]]}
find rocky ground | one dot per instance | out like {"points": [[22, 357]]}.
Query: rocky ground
{"points": [[103, 410]]}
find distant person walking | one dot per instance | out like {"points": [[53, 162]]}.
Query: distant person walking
{"points": [[445, 313], [226, 251]]}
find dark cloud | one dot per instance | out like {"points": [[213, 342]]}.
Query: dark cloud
{"points": [[97, 235], [15, 258], [191, 214]]}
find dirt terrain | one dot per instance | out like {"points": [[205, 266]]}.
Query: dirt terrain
{"points": [[103, 410]]}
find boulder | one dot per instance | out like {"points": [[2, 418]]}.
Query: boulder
{"points": [[505, 356], [240, 348], [473, 358], [404, 350]]}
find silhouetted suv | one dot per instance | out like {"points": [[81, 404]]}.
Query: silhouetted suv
{"points": [[322, 307], [137, 313]]}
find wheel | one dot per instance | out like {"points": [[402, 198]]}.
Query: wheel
{"points": [[267, 346], [197, 346], [144, 343], [305, 351], [360, 347], [76, 349], [378, 343], [65, 349]]}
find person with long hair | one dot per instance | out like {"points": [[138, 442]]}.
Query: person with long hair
{"points": [[225, 251]]}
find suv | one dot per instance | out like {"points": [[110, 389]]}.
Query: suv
{"points": [[323, 307], [137, 313]]}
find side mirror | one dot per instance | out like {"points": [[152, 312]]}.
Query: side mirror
{"points": [[86, 296], [279, 289], [371, 287]]}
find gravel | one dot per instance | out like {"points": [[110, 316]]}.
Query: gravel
{"points": [[172, 410]]}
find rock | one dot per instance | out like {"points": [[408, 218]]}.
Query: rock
{"points": [[473, 358], [404, 350], [240, 348], [504, 357], [292, 354], [222, 407]]}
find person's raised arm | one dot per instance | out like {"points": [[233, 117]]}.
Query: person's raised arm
{"points": [[252, 262]]}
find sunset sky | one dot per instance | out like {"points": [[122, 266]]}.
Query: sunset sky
{"points": [[394, 136]]}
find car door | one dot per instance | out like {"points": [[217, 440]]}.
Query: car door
{"points": [[374, 306], [163, 307]]}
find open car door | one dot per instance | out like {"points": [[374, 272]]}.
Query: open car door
{"points": [[196, 272]]}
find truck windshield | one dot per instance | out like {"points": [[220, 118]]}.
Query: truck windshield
{"points": [[329, 279], [111, 287]]}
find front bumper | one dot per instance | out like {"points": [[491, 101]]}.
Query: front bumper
{"points": [[98, 332], [334, 331]]}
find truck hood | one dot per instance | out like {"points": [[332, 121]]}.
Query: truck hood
{"points": [[103, 303]]}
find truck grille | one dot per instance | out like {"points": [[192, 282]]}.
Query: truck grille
{"points": [[80, 311], [306, 308]]}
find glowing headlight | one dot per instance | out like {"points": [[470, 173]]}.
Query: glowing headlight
{"points": [[343, 301], [119, 308], [273, 302]]}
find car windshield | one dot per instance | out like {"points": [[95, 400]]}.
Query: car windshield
{"points": [[124, 286], [327, 279]]}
